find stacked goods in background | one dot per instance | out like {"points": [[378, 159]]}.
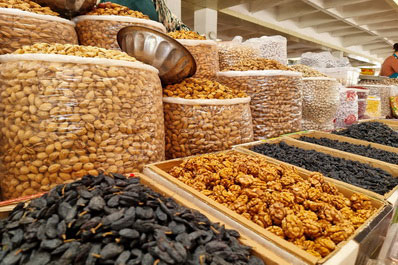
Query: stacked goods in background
{"points": [[25, 23], [275, 91], [87, 222], [320, 99], [100, 26], [203, 116], [73, 110], [276, 200], [204, 51]]}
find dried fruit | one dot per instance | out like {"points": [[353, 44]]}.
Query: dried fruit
{"points": [[184, 34], [128, 233], [110, 8]]}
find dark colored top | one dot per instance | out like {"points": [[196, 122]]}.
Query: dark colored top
{"points": [[390, 66]]}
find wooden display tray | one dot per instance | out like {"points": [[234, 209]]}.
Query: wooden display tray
{"points": [[160, 173], [392, 123], [266, 255], [390, 168]]}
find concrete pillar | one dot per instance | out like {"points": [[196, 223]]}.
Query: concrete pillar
{"points": [[175, 7], [206, 22]]}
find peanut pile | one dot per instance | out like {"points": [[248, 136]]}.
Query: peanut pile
{"points": [[307, 71], [257, 64], [188, 35], [196, 88], [27, 5], [116, 10], [75, 50], [311, 213]]}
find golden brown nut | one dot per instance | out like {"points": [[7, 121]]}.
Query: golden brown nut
{"points": [[116, 10], [293, 227], [257, 64], [277, 230], [184, 34], [27, 5], [307, 71]]}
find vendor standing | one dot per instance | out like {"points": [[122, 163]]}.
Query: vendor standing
{"points": [[390, 65], [156, 10]]}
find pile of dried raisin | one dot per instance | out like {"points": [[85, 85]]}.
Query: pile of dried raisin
{"points": [[374, 132], [114, 220], [363, 150], [353, 172]]}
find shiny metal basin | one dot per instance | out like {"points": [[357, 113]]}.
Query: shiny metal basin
{"points": [[173, 60]]}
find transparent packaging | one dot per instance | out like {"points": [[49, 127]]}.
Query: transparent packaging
{"points": [[101, 31], [271, 47], [321, 101], [206, 56], [373, 107], [347, 113], [276, 98], [19, 28], [199, 126], [384, 93], [347, 76], [233, 52], [394, 106], [362, 103], [62, 117]]}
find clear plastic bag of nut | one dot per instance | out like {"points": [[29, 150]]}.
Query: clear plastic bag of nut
{"points": [[19, 28], [101, 30], [384, 93], [347, 113], [276, 99], [199, 126], [321, 101], [233, 52], [271, 47], [206, 56], [62, 117]]}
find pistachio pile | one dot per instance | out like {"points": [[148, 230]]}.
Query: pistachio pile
{"points": [[27, 5], [185, 34], [116, 10], [309, 212], [75, 50], [257, 64], [307, 71], [196, 88]]}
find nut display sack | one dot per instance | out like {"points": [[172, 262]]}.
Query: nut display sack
{"points": [[198, 126], [62, 117], [19, 28], [347, 113], [233, 52], [373, 107], [321, 100], [271, 47], [206, 57], [276, 99], [101, 30], [384, 93]]}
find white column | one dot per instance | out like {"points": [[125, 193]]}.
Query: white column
{"points": [[175, 7], [206, 22]]}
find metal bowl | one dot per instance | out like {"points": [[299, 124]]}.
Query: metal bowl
{"points": [[69, 8], [172, 59]]}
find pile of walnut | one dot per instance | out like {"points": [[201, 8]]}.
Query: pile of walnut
{"points": [[196, 88], [307, 71], [116, 10], [256, 65], [75, 50], [27, 5], [187, 35], [311, 213]]}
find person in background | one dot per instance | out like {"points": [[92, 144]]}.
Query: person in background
{"points": [[390, 65], [156, 10]]}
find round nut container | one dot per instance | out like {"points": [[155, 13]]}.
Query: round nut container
{"points": [[62, 117], [101, 30], [19, 28], [275, 99]]}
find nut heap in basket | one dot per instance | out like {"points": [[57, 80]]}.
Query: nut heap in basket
{"points": [[75, 50], [27, 5], [311, 213], [116, 10], [185, 34], [256, 65], [307, 71], [197, 88]]}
